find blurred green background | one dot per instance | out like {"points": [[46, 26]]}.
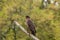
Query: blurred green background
{"points": [[46, 19]]}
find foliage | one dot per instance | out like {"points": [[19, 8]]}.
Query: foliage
{"points": [[47, 21]]}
